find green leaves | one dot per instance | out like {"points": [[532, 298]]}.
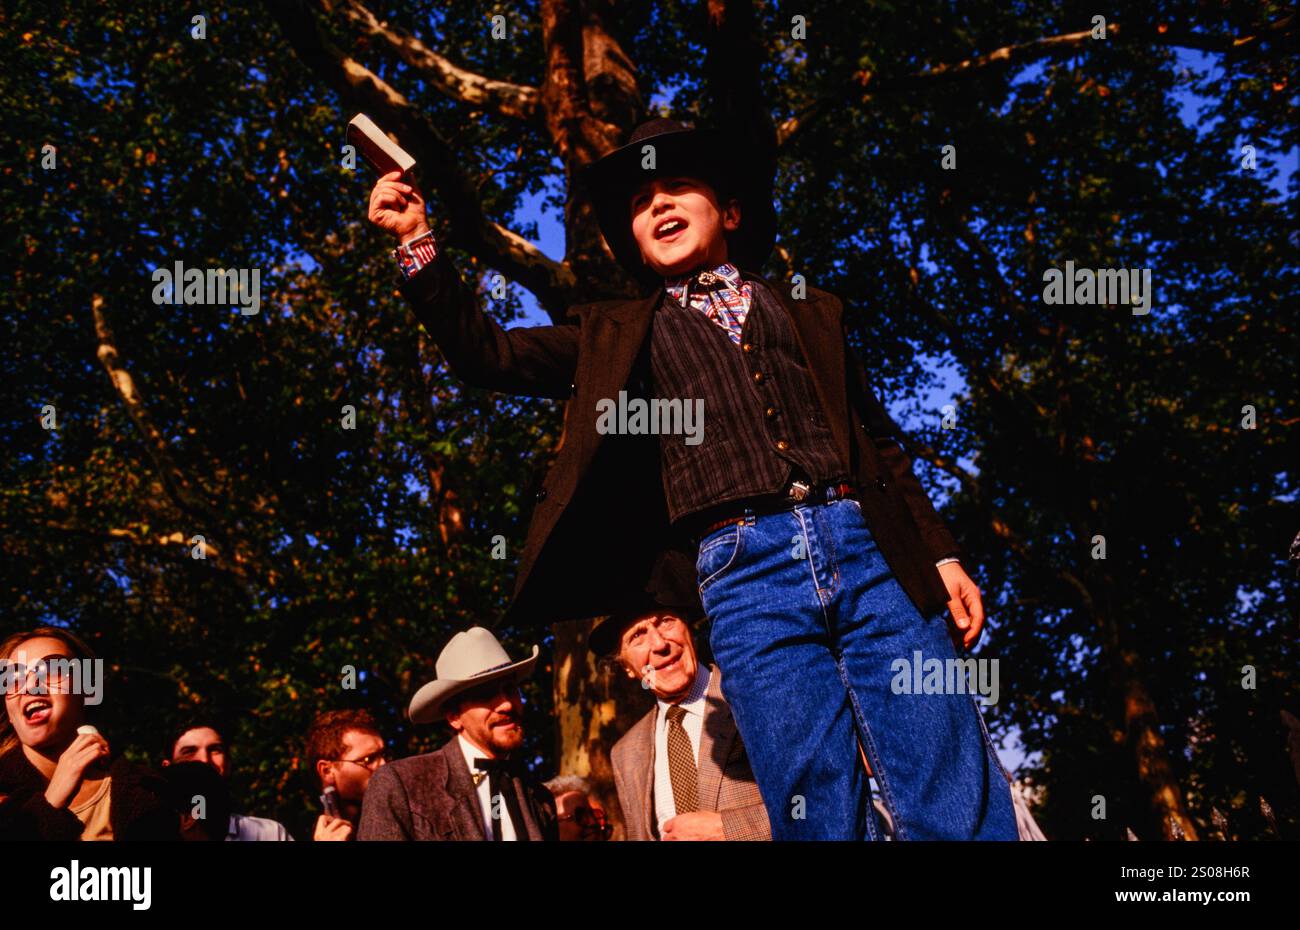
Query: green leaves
{"points": [[368, 546]]}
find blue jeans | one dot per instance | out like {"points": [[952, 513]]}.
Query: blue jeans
{"points": [[808, 622]]}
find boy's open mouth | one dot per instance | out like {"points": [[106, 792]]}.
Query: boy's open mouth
{"points": [[670, 227]]}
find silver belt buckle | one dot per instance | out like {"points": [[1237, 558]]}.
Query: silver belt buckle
{"points": [[799, 490]]}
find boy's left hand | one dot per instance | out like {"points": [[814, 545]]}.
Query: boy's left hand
{"points": [[964, 604]]}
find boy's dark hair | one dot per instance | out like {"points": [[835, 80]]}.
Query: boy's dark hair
{"points": [[198, 723], [188, 780], [724, 188], [325, 737]]}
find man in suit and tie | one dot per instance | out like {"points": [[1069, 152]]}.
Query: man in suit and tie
{"points": [[474, 787], [681, 771]]}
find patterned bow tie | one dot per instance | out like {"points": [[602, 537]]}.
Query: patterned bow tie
{"points": [[486, 767], [705, 279], [717, 296]]}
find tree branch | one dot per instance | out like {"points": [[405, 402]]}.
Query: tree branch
{"points": [[917, 449], [855, 90], [590, 99], [183, 493], [517, 101], [987, 267], [552, 282], [138, 537]]}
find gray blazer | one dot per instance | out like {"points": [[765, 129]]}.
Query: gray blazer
{"points": [[726, 781], [432, 797]]}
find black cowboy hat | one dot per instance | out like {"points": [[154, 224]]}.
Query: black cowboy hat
{"points": [[606, 635], [669, 589], [730, 168]]}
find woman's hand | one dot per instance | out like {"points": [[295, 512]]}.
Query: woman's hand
{"points": [[398, 207], [83, 752]]}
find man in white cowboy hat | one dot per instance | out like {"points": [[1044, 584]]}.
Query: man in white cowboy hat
{"points": [[475, 787]]}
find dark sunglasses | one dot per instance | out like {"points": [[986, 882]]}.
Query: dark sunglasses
{"points": [[587, 818], [47, 669]]}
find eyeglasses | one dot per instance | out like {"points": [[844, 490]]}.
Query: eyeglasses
{"points": [[371, 761], [49, 669]]}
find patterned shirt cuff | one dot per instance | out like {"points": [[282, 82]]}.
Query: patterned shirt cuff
{"points": [[415, 254]]}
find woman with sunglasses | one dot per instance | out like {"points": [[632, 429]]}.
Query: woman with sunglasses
{"points": [[57, 774]]}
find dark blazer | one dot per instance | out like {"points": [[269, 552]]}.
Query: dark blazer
{"points": [[432, 797], [600, 520], [726, 780], [137, 807]]}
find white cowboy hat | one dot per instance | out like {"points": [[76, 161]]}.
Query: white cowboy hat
{"points": [[472, 658]]}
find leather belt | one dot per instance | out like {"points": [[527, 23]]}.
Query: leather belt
{"points": [[796, 494]]}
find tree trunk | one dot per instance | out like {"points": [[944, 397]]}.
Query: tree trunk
{"points": [[1142, 731], [595, 704]]}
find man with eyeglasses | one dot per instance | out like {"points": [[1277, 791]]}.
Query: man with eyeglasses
{"points": [[344, 748]]}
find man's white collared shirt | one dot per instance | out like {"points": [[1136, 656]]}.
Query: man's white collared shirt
{"points": [[472, 752], [246, 829], [693, 724]]}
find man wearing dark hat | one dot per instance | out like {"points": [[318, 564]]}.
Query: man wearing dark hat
{"points": [[681, 770], [474, 787], [817, 554]]}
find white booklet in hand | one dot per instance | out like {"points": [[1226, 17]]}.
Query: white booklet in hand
{"points": [[382, 152]]}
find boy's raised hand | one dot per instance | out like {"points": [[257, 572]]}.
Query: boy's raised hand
{"points": [[398, 207]]}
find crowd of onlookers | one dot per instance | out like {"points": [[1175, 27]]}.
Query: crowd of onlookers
{"points": [[343, 749], [61, 779], [681, 771]]}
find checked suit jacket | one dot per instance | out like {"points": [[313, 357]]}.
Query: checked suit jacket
{"points": [[726, 781]]}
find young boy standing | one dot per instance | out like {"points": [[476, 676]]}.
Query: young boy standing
{"points": [[818, 556]]}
